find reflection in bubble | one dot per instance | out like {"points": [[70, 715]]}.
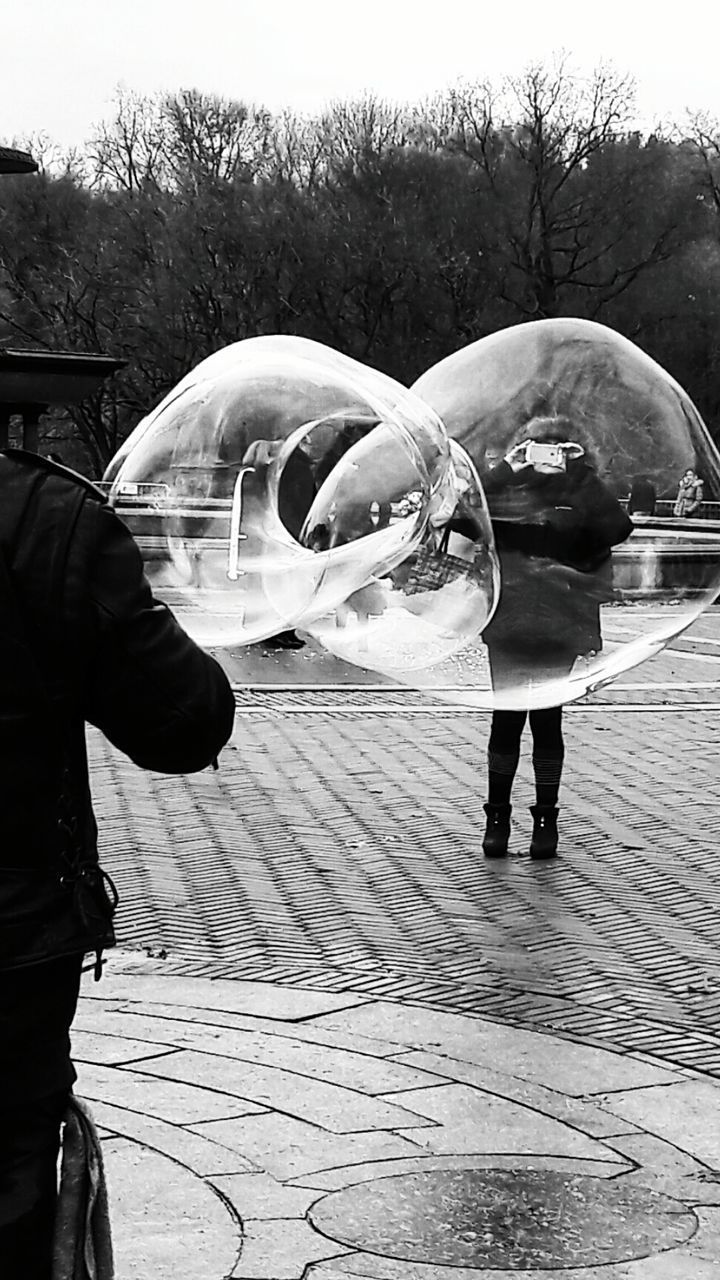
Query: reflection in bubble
{"points": [[570, 558], [296, 482], [419, 611]]}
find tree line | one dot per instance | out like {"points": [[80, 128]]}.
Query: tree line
{"points": [[395, 233]]}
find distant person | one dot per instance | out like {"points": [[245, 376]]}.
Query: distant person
{"points": [[643, 497], [555, 523], [689, 495]]}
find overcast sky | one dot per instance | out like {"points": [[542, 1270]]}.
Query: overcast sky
{"points": [[62, 60]]}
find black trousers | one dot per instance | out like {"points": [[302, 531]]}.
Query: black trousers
{"points": [[28, 1186], [37, 1006], [516, 673]]}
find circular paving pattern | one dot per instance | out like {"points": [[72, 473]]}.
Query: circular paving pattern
{"points": [[507, 1219]]}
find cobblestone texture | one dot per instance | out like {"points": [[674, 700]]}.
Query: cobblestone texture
{"points": [[338, 847]]}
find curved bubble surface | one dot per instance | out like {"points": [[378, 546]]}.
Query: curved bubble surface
{"points": [[587, 591], [288, 485]]}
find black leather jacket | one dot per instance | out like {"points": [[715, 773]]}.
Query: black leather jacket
{"points": [[83, 640]]}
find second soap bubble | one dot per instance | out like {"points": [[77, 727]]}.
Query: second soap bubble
{"points": [[564, 418]]}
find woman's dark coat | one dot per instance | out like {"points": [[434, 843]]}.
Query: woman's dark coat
{"points": [[554, 534]]}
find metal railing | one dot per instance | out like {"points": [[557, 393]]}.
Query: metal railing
{"points": [[157, 496], [664, 510], [133, 493]]}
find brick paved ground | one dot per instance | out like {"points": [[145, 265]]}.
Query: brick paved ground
{"points": [[336, 1042], [339, 847]]}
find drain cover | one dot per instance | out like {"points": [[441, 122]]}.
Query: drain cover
{"points": [[511, 1220]]}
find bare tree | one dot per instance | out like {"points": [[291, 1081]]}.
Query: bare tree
{"points": [[702, 136], [129, 152], [550, 202], [216, 138]]}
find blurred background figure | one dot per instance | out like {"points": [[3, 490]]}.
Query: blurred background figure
{"points": [[555, 523], [296, 490], [689, 495], [643, 497]]}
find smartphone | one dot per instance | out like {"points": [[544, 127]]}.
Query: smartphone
{"points": [[550, 455]]}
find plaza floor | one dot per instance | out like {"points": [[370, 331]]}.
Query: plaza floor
{"points": [[335, 1041]]}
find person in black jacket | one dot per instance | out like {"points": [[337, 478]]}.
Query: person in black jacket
{"points": [[642, 498], [555, 523], [82, 640]]}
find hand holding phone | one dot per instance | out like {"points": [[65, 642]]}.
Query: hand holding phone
{"points": [[542, 454], [517, 456], [538, 453]]}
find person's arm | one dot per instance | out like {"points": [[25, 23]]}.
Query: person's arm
{"points": [[152, 691], [498, 477]]}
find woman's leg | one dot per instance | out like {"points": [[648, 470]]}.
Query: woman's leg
{"points": [[504, 753], [548, 755]]}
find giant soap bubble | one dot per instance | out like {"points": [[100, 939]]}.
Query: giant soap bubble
{"points": [[293, 486], [570, 557], [420, 611]]}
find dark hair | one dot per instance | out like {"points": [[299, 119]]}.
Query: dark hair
{"points": [[551, 429]]}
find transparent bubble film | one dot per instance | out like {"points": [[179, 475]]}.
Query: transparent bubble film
{"points": [[580, 441], [286, 485]]}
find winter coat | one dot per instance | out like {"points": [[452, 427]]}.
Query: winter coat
{"points": [[689, 497], [83, 641], [554, 534]]}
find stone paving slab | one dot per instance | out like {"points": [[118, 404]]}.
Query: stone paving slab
{"points": [[156, 1242], [265, 1198], [287, 1147], [105, 1049], [349, 1069], [685, 1114], [473, 1120], [167, 1152], [272, 1249], [265, 999], [328, 1106], [549, 1101], [171, 1022], [531, 1056], [207, 1159], [163, 1098]]}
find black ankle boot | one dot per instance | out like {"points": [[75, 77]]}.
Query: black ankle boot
{"points": [[545, 833], [497, 830]]}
